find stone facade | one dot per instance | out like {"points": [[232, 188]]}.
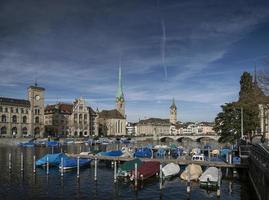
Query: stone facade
{"points": [[75, 120], [153, 126], [21, 117], [192, 128], [111, 123]]}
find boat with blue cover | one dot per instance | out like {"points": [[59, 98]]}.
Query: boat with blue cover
{"points": [[161, 152], [143, 153], [236, 160], [53, 143], [72, 163], [27, 144], [176, 152], [53, 159], [110, 153], [224, 152]]}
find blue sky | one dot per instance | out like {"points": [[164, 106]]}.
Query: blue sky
{"points": [[192, 50]]}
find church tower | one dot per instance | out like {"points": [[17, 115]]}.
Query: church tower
{"points": [[173, 112], [120, 103]]}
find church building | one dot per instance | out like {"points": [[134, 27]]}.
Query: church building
{"points": [[113, 122]]}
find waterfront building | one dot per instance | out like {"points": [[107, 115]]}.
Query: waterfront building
{"points": [[264, 119], [192, 128], [131, 129], [20, 117], [157, 126], [153, 127], [113, 122], [75, 120]]}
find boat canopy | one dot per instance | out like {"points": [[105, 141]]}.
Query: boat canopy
{"points": [[130, 165]]}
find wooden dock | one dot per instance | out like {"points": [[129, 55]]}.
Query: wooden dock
{"points": [[165, 161]]}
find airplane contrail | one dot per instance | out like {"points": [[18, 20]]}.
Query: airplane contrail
{"points": [[163, 48]]}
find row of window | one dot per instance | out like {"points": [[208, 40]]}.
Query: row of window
{"points": [[80, 116], [14, 119], [13, 110], [14, 130], [3, 130]]}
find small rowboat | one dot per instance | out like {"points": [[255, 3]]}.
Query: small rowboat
{"points": [[170, 170], [146, 170], [71, 163]]}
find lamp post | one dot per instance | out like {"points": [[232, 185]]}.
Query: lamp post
{"points": [[242, 123]]}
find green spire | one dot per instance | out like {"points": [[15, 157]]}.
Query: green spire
{"points": [[119, 91], [173, 104]]}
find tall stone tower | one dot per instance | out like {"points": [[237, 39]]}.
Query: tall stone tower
{"points": [[36, 98], [120, 103], [173, 112]]}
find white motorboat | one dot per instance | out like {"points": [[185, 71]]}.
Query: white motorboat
{"points": [[170, 170], [210, 177]]}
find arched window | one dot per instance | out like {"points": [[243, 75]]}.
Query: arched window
{"points": [[80, 118], [36, 120], [24, 131], [37, 131], [24, 119], [14, 119], [4, 118], [14, 130], [3, 131]]}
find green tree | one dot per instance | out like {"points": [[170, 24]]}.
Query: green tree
{"points": [[228, 122]]}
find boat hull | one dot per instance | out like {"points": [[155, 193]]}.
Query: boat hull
{"points": [[71, 163]]}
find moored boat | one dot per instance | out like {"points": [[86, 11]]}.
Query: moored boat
{"points": [[210, 177], [110, 153], [146, 170], [53, 143], [170, 170], [143, 153], [192, 172], [126, 168], [52, 159], [71, 163]]}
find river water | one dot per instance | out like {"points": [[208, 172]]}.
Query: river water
{"points": [[26, 185]]}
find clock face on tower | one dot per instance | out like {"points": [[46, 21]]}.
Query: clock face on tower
{"points": [[37, 97]]}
